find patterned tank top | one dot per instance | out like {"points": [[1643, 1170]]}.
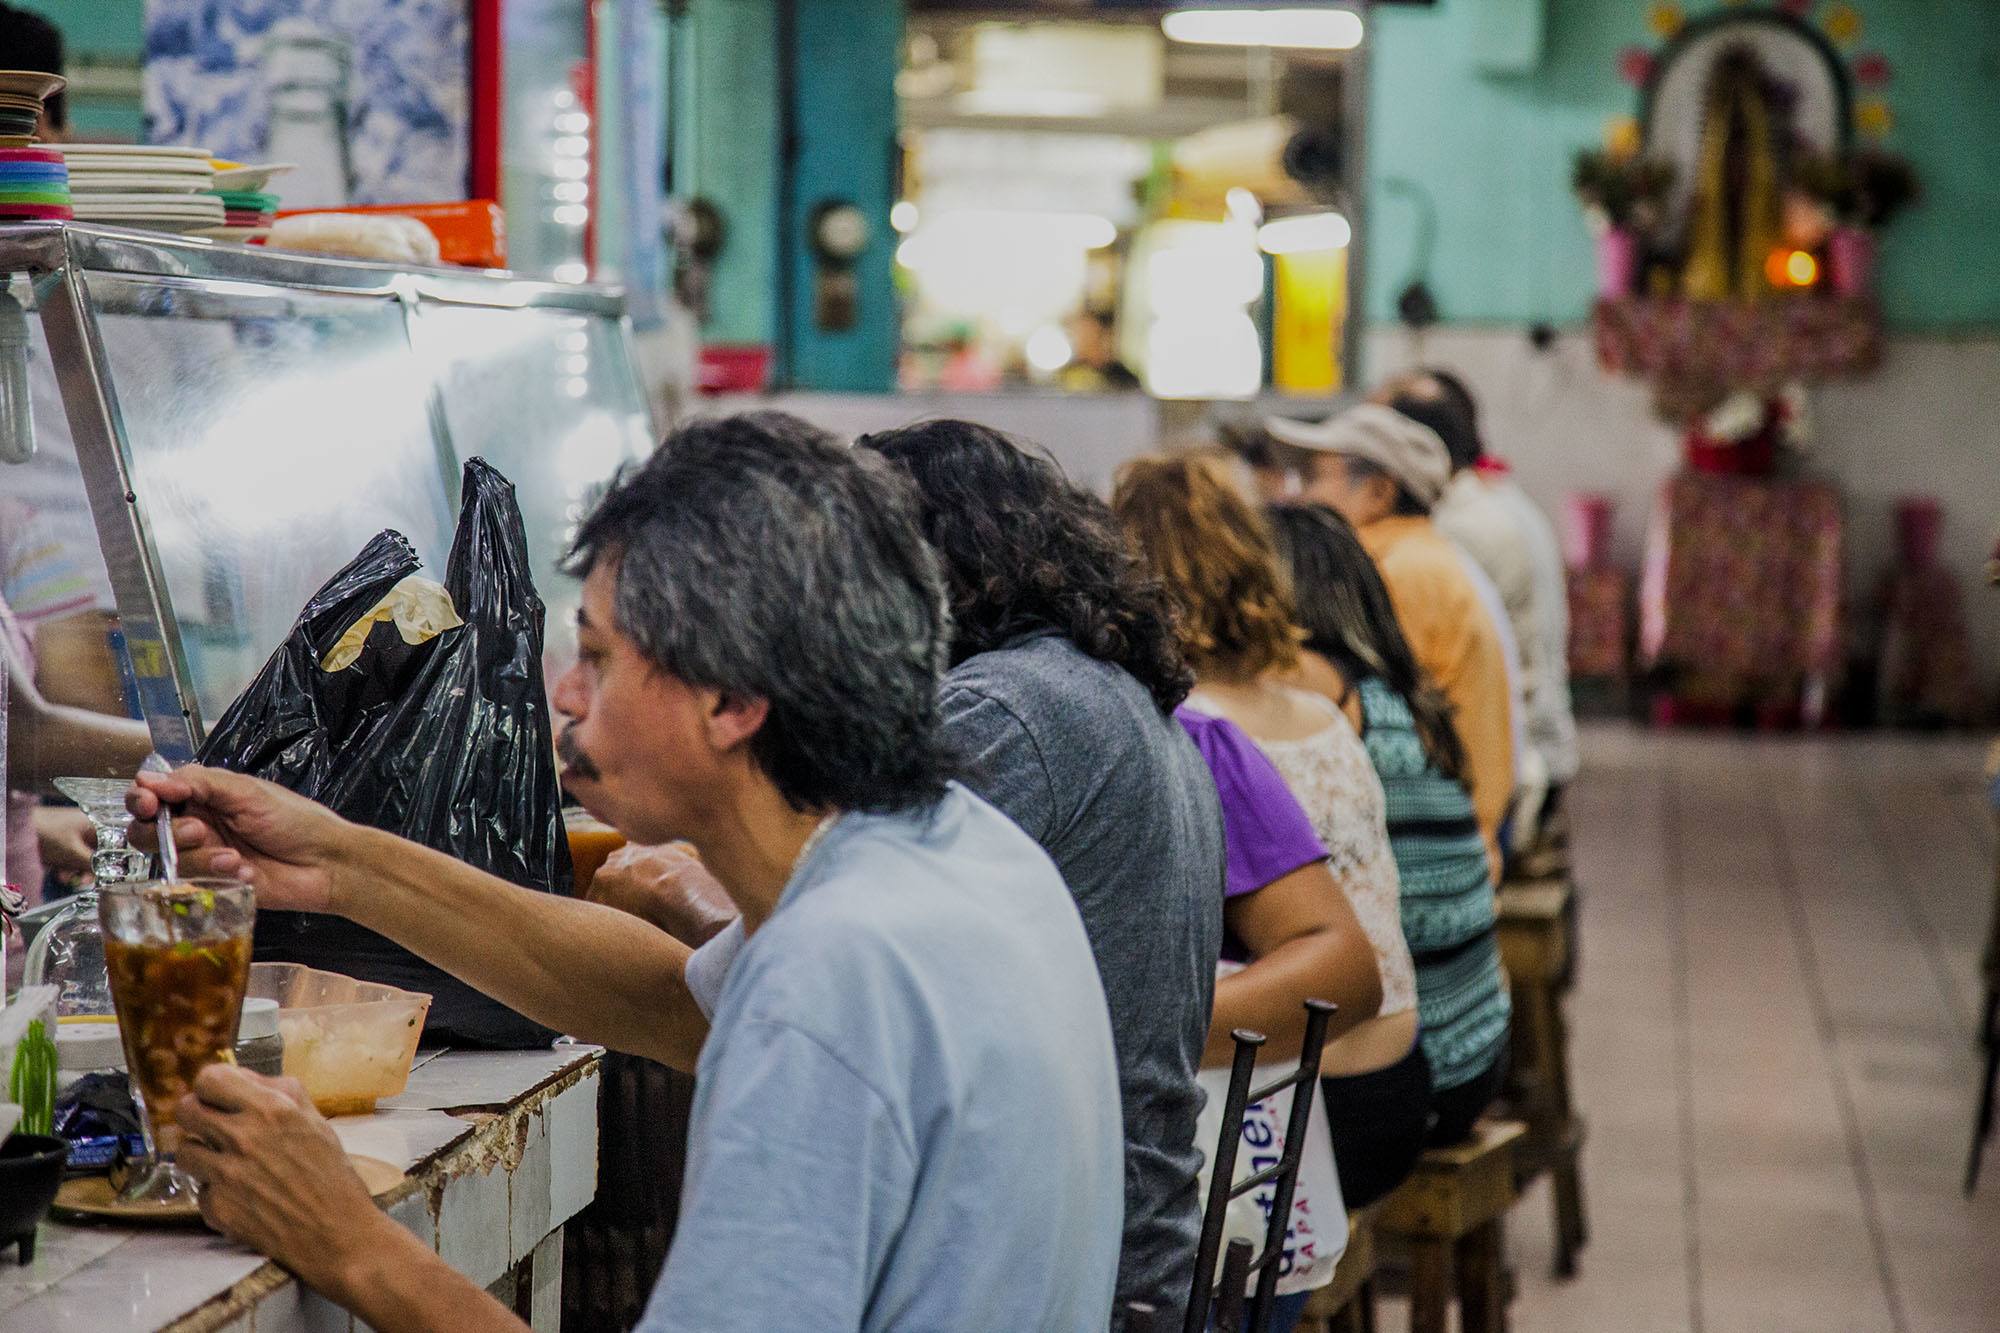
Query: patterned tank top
{"points": [[1334, 783], [1447, 900]]}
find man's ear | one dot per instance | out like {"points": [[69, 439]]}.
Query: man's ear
{"points": [[1381, 489], [734, 718]]}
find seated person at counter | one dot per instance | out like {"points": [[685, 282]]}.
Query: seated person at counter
{"points": [[906, 1112], [1064, 665]]}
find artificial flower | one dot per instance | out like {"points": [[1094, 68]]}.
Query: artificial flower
{"points": [[1875, 118], [1666, 18], [1635, 65], [1873, 70], [1842, 23], [1623, 138]]}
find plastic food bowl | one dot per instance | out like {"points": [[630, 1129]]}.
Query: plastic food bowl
{"points": [[349, 1042]]}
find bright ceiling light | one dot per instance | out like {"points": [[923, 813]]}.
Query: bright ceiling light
{"points": [[903, 216], [1313, 29], [1310, 231]]}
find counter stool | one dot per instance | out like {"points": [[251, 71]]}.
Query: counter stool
{"points": [[1347, 1304], [1535, 946], [1449, 1215]]}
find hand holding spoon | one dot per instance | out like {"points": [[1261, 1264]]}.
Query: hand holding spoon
{"points": [[170, 859]]}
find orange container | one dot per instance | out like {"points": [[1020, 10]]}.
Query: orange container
{"points": [[472, 232], [349, 1042]]}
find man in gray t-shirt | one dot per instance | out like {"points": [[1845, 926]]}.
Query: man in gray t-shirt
{"points": [[1076, 752], [910, 1032], [1059, 712]]}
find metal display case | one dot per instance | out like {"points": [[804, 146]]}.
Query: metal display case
{"points": [[244, 420]]}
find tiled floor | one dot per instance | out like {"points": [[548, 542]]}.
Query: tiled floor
{"points": [[1772, 1040]]}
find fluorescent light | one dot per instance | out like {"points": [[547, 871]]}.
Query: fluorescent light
{"points": [[1313, 29], [1309, 231]]}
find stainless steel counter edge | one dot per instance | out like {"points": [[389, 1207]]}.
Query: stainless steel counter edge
{"points": [[45, 247]]}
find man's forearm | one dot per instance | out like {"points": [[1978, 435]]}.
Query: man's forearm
{"points": [[397, 1284], [594, 972]]}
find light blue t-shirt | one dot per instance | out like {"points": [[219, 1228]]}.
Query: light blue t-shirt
{"points": [[906, 1114]]}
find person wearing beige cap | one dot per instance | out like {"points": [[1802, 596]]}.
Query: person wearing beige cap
{"points": [[1383, 472]]}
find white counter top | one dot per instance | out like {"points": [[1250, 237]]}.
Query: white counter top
{"points": [[500, 1149]]}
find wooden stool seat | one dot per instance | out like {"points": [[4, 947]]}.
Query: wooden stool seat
{"points": [[1347, 1304], [1537, 950], [1449, 1213]]}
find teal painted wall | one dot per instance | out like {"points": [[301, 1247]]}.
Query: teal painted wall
{"points": [[725, 93], [1493, 153], [99, 31], [95, 27], [844, 60]]}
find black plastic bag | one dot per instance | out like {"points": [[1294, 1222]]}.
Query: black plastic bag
{"points": [[445, 742]]}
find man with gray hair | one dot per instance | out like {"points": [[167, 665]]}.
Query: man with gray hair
{"points": [[907, 1103]]}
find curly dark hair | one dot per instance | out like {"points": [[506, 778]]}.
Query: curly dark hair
{"points": [[1025, 550]]}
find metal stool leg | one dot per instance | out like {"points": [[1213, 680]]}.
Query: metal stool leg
{"points": [[1982, 1124]]}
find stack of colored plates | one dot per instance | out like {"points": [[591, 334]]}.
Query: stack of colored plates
{"points": [[247, 208], [34, 185], [131, 185], [22, 92], [249, 205]]}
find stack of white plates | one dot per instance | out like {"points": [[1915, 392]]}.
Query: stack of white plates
{"points": [[132, 185]]}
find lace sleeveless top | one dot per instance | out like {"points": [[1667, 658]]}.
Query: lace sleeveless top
{"points": [[1333, 780]]}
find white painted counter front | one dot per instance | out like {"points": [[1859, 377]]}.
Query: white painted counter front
{"points": [[500, 1150]]}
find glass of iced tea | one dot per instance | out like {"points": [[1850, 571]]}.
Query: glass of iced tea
{"points": [[179, 959], [591, 842]]}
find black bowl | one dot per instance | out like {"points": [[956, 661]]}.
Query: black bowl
{"points": [[31, 1171]]}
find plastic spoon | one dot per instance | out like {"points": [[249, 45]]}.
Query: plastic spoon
{"points": [[170, 858]]}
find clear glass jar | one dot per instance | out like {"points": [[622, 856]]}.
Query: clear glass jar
{"points": [[69, 951]]}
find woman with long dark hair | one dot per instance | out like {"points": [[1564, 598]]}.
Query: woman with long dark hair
{"points": [[1064, 675], [1355, 654]]}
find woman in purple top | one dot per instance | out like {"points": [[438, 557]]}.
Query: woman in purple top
{"points": [[1283, 914]]}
